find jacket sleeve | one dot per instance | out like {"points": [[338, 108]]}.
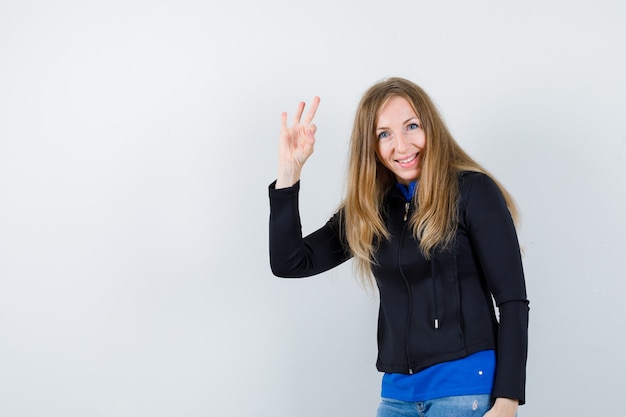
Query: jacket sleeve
{"points": [[291, 255], [495, 242]]}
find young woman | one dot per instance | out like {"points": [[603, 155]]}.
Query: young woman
{"points": [[435, 232]]}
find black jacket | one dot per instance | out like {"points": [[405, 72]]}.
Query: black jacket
{"points": [[434, 310]]}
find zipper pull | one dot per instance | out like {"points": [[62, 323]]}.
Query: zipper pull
{"points": [[406, 210], [436, 324]]}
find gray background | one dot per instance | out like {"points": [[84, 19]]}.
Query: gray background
{"points": [[137, 140]]}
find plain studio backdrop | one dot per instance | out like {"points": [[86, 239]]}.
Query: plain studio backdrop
{"points": [[137, 141]]}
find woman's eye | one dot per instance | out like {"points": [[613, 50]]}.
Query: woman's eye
{"points": [[412, 126], [383, 135]]}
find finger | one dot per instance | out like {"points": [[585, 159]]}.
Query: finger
{"points": [[283, 120], [299, 110], [311, 130], [311, 113]]}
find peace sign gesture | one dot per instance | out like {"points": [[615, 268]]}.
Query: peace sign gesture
{"points": [[295, 144]]}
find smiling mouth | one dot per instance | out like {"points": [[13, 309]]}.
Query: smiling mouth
{"points": [[407, 160]]}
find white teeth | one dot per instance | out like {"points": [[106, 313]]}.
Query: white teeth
{"points": [[406, 161]]}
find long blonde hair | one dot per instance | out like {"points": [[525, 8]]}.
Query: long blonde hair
{"points": [[434, 222]]}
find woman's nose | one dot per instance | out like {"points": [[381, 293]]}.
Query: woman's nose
{"points": [[401, 143]]}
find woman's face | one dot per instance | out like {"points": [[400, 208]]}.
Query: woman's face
{"points": [[401, 139]]}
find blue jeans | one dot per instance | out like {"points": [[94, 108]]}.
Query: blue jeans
{"points": [[458, 406]]}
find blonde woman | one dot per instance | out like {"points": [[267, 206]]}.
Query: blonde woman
{"points": [[435, 233]]}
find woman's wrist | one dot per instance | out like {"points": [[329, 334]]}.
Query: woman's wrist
{"points": [[506, 406], [288, 175]]}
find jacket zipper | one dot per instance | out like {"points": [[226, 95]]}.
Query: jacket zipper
{"points": [[407, 205]]}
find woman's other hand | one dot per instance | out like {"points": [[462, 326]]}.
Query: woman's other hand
{"points": [[503, 407]]}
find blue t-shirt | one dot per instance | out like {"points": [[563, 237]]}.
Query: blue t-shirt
{"points": [[473, 374], [407, 190]]}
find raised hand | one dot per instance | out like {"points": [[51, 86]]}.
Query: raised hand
{"points": [[295, 144]]}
